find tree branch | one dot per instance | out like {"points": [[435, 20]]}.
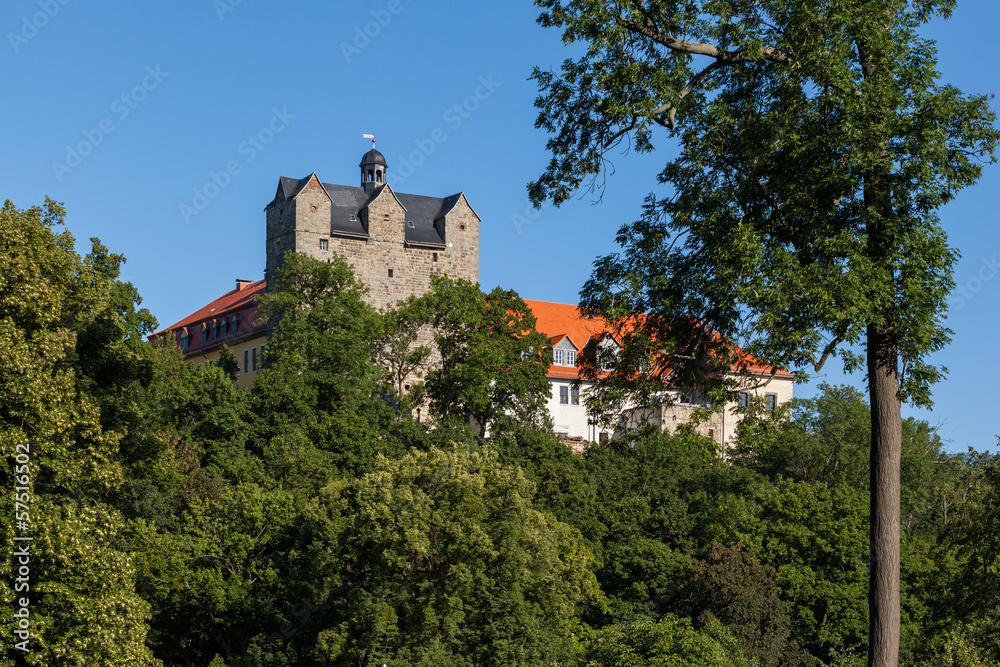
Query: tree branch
{"points": [[703, 49], [827, 352], [671, 107]]}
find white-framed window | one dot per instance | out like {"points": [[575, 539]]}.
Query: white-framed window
{"points": [[324, 244], [563, 395], [246, 361], [571, 358], [557, 357]]}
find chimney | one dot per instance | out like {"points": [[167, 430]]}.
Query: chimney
{"points": [[242, 283]]}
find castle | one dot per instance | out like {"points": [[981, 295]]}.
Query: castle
{"points": [[395, 242]]}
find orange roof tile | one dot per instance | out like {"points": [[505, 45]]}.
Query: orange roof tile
{"points": [[557, 320]]}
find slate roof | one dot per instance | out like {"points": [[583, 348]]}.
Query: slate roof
{"points": [[423, 212], [372, 157]]}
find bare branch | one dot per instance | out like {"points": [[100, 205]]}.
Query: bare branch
{"points": [[827, 352]]}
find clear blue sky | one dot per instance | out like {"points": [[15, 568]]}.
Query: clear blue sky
{"points": [[125, 110]]}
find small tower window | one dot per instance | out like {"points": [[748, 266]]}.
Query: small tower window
{"points": [[462, 227], [385, 217], [434, 257], [390, 273], [324, 244]]}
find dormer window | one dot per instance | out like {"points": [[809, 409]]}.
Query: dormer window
{"points": [[409, 223], [354, 217], [204, 333], [557, 357], [184, 340], [234, 324]]}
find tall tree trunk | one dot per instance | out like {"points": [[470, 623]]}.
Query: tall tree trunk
{"points": [[886, 453]]}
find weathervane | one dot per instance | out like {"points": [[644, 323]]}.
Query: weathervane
{"points": [[372, 137]]}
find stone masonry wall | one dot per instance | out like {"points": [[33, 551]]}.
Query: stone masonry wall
{"points": [[301, 224]]}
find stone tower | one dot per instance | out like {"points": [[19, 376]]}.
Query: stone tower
{"points": [[394, 241]]}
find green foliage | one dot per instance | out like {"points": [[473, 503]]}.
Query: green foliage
{"points": [[70, 356], [218, 577], [439, 558], [320, 382], [731, 585], [668, 642], [493, 360]]}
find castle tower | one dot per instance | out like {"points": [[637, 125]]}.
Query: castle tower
{"points": [[373, 169], [393, 241]]}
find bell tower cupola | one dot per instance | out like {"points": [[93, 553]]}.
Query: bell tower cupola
{"points": [[373, 169]]}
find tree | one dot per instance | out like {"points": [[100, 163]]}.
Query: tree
{"points": [[493, 360], [320, 383], [440, 558], [816, 146], [69, 357], [669, 642]]}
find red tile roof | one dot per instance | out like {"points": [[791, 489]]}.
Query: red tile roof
{"points": [[558, 320], [240, 301], [230, 302]]}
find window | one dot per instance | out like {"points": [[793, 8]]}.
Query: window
{"points": [[574, 393], [603, 437], [225, 328], [390, 273], [557, 357], [711, 434], [324, 244], [184, 341], [563, 395], [571, 358], [354, 217], [235, 324], [771, 401], [385, 217], [744, 399], [253, 359], [215, 330], [262, 356], [434, 257], [409, 223], [246, 361], [204, 333]]}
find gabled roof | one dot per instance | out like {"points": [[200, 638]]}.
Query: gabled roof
{"points": [[562, 320], [229, 303], [559, 320], [347, 201]]}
